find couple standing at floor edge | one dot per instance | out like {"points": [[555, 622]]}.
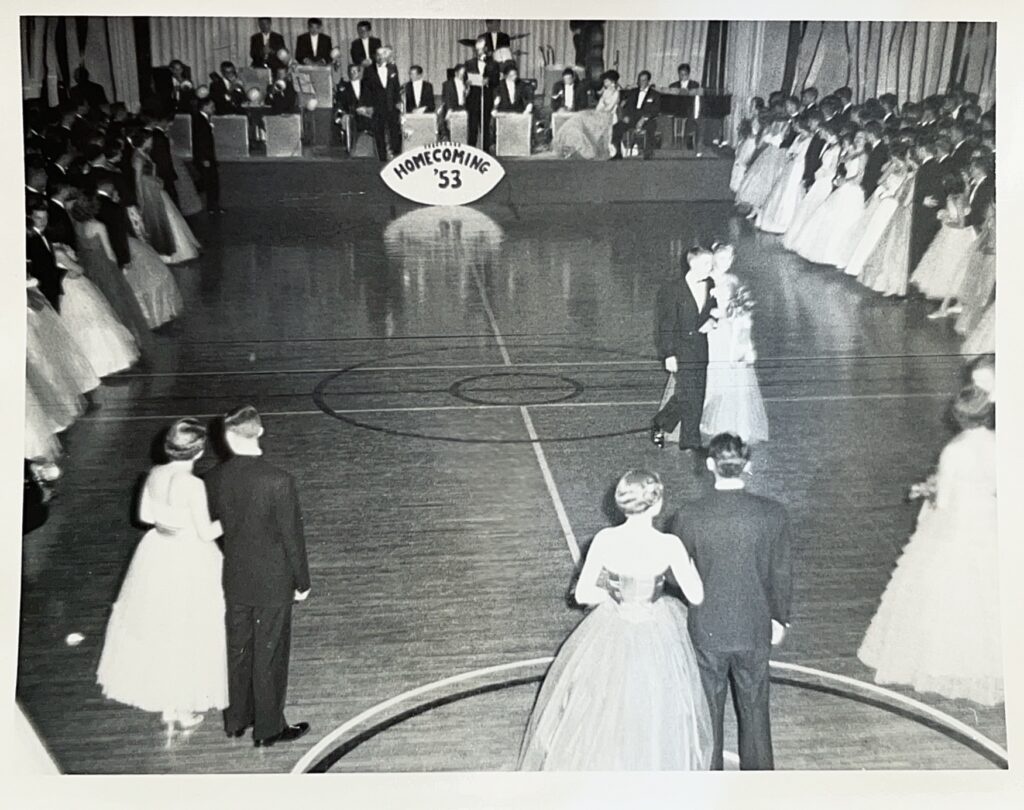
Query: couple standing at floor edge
{"points": [[194, 628]]}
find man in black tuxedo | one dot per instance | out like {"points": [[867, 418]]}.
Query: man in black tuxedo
{"points": [[114, 217], [87, 92], [512, 95], [890, 106], [495, 37], [227, 91], [638, 112], [313, 47], [265, 572], [792, 104], [352, 98], [483, 76], [878, 156], [384, 90], [740, 544], [42, 265], [809, 99], [686, 311], [364, 48], [812, 158], [417, 93], [204, 155], [928, 198], [281, 97], [60, 229], [963, 146], [264, 45], [455, 90], [845, 96], [692, 131], [160, 153], [568, 94], [981, 192]]}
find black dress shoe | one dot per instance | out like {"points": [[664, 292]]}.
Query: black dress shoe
{"points": [[616, 157], [287, 735], [658, 438], [238, 733]]}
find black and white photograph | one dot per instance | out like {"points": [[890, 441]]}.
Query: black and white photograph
{"points": [[440, 395]]}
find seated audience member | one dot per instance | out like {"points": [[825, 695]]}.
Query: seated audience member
{"points": [[227, 90], [281, 96], [364, 48], [684, 82], [87, 92], [569, 93], [264, 45], [313, 47], [352, 98], [638, 113], [419, 94], [512, 95]]}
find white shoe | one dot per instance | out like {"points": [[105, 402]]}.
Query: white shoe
{"points": [[956, 309], [937, 315]]}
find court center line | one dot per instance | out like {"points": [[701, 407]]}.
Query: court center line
{"points": [[538, 451], [429, 408]]}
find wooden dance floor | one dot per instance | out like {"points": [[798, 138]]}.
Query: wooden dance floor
{"points": [[403, 361]]}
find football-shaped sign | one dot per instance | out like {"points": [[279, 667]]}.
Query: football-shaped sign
{"points": [[443, 174]]}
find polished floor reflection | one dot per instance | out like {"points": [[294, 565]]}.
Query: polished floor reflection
{"points": [[404, 360]]}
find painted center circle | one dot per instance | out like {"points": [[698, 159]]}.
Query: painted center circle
{"points": [[515, 388]]}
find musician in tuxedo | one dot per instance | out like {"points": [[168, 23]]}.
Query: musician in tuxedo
{"points": [[265, 572], [226, 90], [483, 75], [204, 155], [495, 37], [638, 112], [815, 147], [569, 93], [417, 93], [684, 82], [364, 48], [929, 197], [173, 86], [115, 218], [281, 96], [87, 92], [264, 45], [512, 95], [385, 93], [160, 153], [693, 129], [685, 311], [313, 47], [352, 98], [878, 156], [42, 265], [741, 546]]}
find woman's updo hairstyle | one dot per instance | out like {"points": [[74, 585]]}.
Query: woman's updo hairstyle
{"points": [[638, 491], [185, 440], [973, 407]]}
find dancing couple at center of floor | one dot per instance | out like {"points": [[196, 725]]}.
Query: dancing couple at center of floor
{"points": [[703, 323], [194, 629], [641, 683]]}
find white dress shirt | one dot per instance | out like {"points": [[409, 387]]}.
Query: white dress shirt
{"points": [[313, 40], [417, 92], [382, 74], [699, 291], [640, 97], [460, 92], [45, 240], [511, 87], [366, 47], [494, 40], [357, 88], [569, 91]]}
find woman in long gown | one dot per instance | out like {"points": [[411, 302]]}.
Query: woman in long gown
{"points": [[155, 286], [942, 268], [189, 201], [96, 256], [887, 268], [767, 166], [820, 189], [747, 133], [880, 211], [937, 627], [588, 134], [165, 649], [782, 202], [40, 430], [165, 226], [980, 281], [624, 691], [829, 235]]}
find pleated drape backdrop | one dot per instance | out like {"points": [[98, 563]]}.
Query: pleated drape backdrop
{"points": [[204, 42], [655, 45], [911, 59]]}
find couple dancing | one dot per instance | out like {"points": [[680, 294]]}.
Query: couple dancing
{"points": [[703, 332], [641, 683], [193, 629]]}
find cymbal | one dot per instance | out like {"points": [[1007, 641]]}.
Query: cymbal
{"points": [[469, 43], [519, 36]]}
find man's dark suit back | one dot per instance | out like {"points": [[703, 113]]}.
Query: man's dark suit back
{"points": [[740, 543], [259, 58], [629, 113], [304, 48], [115, 219], [980, 200], [358, 52], [678, 322], [43, 267], [812, 159], [426, 97], [877, 159], [203, 148], [60, 230], [264, 548]]}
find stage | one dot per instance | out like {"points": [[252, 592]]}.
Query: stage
{"points": [[322, 176]]}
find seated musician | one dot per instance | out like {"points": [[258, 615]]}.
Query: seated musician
{"points": [[454, 93], [418, 94], [352, 98], [227, 90], [569, 94], [638, 113], [685, 82], [512, 95], [281, 96], [692, 130]]}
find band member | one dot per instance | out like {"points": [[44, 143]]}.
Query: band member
{"points": [[264, 45], [352, 99], [568, 94], [227, 90], [483, 75], [364, 48], [385, 94], [693, 129], [513, 95], [419, 95], [313, 47], [495, 37]]}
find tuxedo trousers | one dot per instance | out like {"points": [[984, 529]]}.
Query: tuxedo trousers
{"points": [[259, 648], [686, 404], [748, 670], [387, 128], [473, 123], [209, 179], [649, 129], [924, 226]]}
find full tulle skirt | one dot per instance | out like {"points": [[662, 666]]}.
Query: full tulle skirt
{"points": [[585, 136], [623, 694], [189, 201], [781, 205], [185, 246], [937, 628], [733, 403], [40, 428], [976, 290], [744, 154], [165, 647], [761, 177], [811, 202], [877, 218], [153, 284], [110, 280], [103, 339], [54, 353], [982, 339], [943, 266], [828, 235], [887, 268]]}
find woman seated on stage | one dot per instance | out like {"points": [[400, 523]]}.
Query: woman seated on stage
{"points": [[588, 134]]}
